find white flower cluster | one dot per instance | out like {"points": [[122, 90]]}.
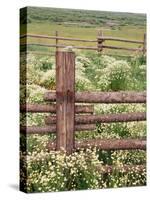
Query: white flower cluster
{"points": [[35, 93], [114, 76], [56, 171]]}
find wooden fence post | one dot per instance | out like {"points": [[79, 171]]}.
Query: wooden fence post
{"points": [[56, 34], [144, 44], [65, 100], [100, 41]]}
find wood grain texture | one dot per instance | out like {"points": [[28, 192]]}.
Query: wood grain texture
{"points": [[103, 118], [52, 129], [100, 41], [104, 97], [107, 144], [41, 108], [113, 144], [65, 100]]}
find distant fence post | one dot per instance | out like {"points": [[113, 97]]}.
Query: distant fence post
{"points": [[65, 100], [56, 34], [144, 44], [100, 41]]}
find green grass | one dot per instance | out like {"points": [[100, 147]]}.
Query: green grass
{"points": [[128, 32]]}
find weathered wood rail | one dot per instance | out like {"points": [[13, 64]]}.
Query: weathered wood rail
{"points": [[56, 37], [69, 117], [51, 108], [52, 128], [103, 97], [107, 144], [120, 39], [104, 118]]}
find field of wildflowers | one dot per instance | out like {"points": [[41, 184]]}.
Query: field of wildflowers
{"points": [[43, 171]]}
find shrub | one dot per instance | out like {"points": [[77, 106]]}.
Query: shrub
{"points": [[45, 64], [48, 80], [114, 76]]}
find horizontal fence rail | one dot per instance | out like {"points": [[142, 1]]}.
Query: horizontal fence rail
{"points": [[82, 47], [52, 129], [56, 37], [81, 40], [104, 118], [120, 40], [122, 48], [107, 144], [52, 108], [59, 46], [99, 40], [104, 97]]}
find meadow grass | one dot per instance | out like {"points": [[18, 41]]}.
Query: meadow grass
{"points": [[128, 32]]}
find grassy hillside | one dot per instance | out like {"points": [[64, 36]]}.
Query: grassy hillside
{"points": [[57, 15], [82, 24]]}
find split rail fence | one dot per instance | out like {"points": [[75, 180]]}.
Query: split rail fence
{"points": [[70, 117], [99, 42]]}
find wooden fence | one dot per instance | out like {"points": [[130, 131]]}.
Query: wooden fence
{"points": [[70, 117], [99, 42]]}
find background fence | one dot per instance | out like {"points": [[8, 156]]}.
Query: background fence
{"points": [[99, 43], [69, 116]]}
